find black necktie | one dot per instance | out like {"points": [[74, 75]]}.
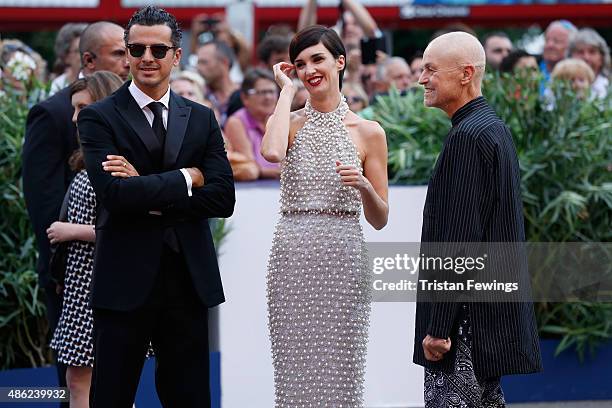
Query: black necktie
{"points": [[157, 108], [158, 122]]}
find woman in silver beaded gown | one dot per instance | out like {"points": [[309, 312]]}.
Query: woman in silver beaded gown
{"points": [[318, 285]]}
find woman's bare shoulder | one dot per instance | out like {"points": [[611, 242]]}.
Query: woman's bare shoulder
{"points": [[369, 130]]}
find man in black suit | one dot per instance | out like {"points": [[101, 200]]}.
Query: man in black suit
{"points": [[50, 139], [473, 197], [159, 169]]}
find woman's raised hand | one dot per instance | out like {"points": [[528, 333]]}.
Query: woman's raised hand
{"points": [[282, 74]]}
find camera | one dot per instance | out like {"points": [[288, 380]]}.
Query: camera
{"points": [[209, 25], [369, 46]]}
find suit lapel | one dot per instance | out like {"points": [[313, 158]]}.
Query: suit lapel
{"points": [[178, 117], [134, 116]]}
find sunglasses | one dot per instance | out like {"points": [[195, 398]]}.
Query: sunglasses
{"points": [[159, 51]]}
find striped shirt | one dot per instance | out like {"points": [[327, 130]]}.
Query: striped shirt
{"points": [[474, 196]]}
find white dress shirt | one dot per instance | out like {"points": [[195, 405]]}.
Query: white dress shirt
{"points": [[58, 84], [142, 99]]}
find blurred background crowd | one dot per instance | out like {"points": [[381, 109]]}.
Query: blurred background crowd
{"points": [[225, 72]]}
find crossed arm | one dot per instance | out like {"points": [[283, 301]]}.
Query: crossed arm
{"points": [[164, 191]]}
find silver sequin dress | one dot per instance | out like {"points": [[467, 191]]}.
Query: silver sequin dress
{"points": [[318, 284]]}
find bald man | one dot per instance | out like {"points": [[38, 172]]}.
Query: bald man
{"points": [[50, 139], [102, 48], [473, 196]]}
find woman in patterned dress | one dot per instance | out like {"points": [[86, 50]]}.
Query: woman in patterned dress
{"points": [[72, 339], [332, 163]]}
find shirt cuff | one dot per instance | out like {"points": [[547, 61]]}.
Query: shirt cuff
{"points": [[188, 180]]}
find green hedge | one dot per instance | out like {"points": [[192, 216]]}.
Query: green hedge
{"points": [[565, 154], [23, 328], [566, 163]]}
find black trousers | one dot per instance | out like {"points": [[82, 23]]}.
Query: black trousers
{"points": [[174, 320]]}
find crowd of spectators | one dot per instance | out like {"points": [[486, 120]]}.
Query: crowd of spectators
{"points": [[223, 72]]}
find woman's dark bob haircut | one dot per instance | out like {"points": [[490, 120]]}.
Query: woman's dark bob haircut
{"points": [[318, 34]]}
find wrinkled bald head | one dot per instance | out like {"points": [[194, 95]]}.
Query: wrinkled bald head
{"points": [[458, 49], [453, 67]]}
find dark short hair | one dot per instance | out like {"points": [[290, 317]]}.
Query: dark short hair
{"points": [[510, 60], [151, 16], [492, 34], [252, 76], [417, 54], [222, 50], [314, 35], [271, 44]]}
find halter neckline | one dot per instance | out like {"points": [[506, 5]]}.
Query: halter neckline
{"points": [[339, 112]]}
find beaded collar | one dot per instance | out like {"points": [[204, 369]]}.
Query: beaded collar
{"points": [[337, 114]]}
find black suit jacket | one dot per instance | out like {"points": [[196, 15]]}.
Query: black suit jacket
{"points": [[128, 238], [50, 139], [474, 196]]}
